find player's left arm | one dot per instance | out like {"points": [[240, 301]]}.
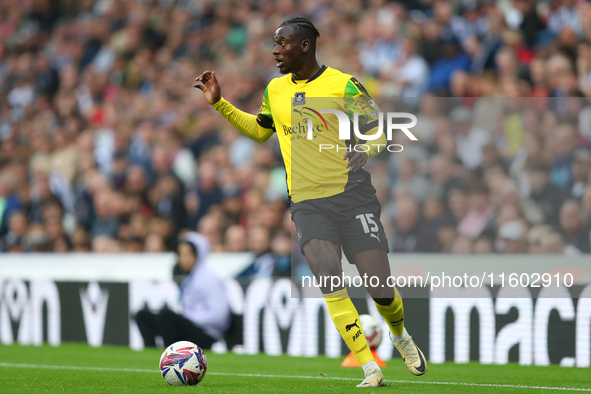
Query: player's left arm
{"points": [[358, 100]]}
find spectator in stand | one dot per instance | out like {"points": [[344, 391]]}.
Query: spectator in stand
{"points": [[433, 212], [446, 235], [586, 205], [480, 214], [281, 248], [553, 242], [57, 236], [104, 244], [385, 49], [485, 52], [37, 238], [259, 242], [469, 138], [532, 150], [580, 169], [565, 17], [458, 203], [208, 190], [483, 245], [462, 245], [442, 176], [544, 193], [491, 158], [409, 179], [15, 240], [573, 227], [410, 74], [584, 73], [232, 204], [531, 24], [534, 238], [9, 201], [430, 45], [512, 237], [566, 142], [507, 212], [205, 315], [211, 227], [453, 59], [154, 243], [80, 240], [183, 162], [168, 201], [460, 84], [235, 239], [106, 222], [410, 235], [136, 183]]}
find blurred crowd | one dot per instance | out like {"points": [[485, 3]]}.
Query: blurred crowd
{"points": [[106, 147], [490, 174]]}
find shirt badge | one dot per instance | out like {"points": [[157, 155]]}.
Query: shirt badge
{"points": [[300, 98]]}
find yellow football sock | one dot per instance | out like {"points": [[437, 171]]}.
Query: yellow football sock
{"points": [[346, 319], [393, 313]]}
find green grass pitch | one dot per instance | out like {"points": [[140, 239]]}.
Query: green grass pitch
{"points": [[76, 368]]}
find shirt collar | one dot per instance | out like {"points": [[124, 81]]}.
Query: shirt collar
{"points": [[319, 73]]}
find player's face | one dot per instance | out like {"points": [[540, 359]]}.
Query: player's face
{"points": [[287, 51]]}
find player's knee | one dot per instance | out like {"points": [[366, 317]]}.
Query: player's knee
{"points": [[328, 268], [382, 295]]}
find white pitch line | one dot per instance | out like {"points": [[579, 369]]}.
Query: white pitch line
{"points": [[74, 368], [258, 375]]}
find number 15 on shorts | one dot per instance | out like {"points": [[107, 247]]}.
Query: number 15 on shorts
{"points": [[369, 225]]}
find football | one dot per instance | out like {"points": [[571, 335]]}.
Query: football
{"points": [[372, 331], [183, 364]]}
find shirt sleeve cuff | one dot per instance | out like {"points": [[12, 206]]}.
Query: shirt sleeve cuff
{"points": [[221, 102]]}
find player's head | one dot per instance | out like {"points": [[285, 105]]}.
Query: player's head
{"points": [[295, 40]]}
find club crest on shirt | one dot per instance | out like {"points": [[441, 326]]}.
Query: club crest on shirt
{"points": [[300, 98]]}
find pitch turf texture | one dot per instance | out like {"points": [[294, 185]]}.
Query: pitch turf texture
{"points": [[74, 368]]}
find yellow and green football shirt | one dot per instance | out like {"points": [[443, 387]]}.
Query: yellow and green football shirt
{"points": [[314, 169]]}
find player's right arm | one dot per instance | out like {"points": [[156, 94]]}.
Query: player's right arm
{"points": [[259, 128]]}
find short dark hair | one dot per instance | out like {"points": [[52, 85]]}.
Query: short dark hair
{"points": [[303, 28]]}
